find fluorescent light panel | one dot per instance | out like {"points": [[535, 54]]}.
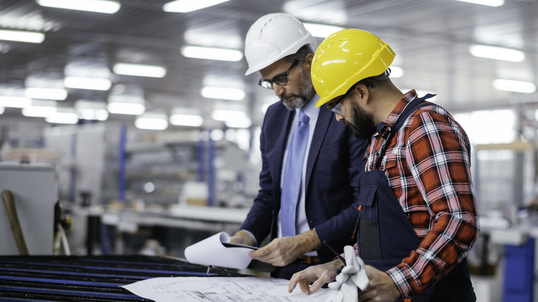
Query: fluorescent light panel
{"points": [[211, 53], [321, 30], [15, 101], [93, 114], [126, 108], [186, 6], [227, 115], [238, 123], [139, 70], [186, 120], [38, 111], [514, 86], [494, 3], [497, 53], [46, 93], [148, 123], [97, 6], [21, 36], [87, 83], [223, 93], [62, 118]]}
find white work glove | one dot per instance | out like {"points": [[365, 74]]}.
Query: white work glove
{"points": [[353, 276]]}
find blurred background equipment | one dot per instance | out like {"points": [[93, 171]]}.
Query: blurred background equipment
{"points": [[29, 195]]}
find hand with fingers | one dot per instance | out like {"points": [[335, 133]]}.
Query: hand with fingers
{"points": [[352, 278], [283, 251], [242, 237], [381, 287], [316, 275], [279, 252]]}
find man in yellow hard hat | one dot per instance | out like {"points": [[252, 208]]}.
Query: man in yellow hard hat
{"points": [[417, 211], [310, 161]]}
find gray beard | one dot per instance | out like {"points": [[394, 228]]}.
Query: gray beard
{"points": [[304, 95]]}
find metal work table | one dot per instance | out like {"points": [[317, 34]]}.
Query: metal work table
{"points": [[87, 278]]}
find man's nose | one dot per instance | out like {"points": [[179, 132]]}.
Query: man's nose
{"points": [[339, 117], [278, 90]]}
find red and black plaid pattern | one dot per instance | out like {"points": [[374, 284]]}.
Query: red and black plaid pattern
{"points": [[427, 165]]}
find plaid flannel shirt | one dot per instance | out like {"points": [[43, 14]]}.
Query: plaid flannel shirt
{"points": [[427, 165]]}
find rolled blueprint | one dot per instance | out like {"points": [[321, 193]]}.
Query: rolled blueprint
{"points": [[211, 251]]}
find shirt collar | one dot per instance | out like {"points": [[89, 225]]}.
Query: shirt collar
{"points": [[310, 108], [397, 111]]}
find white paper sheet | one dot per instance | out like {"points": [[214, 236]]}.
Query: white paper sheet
{"points": [[225, 289], [211, 251]]}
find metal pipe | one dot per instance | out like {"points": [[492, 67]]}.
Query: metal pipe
{"points": [[9, 202]]}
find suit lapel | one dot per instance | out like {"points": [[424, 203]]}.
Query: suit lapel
{"points": [[322, 125], [280, 147]]}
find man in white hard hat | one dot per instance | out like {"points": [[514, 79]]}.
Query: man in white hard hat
{"points": [[310, 162]]}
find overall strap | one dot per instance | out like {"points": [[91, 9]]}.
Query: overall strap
{"points": [[410, 109]]}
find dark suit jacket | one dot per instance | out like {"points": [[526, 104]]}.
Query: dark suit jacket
{"points": [[334, 162]]}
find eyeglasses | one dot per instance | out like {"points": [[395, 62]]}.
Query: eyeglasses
{"points": [[281, 79], [338, 108]]}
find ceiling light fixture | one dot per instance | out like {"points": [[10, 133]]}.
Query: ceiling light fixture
{"points": [[227, 115], [187, 6], [497, 53], [139, 70], [46, 93], [211, 53], [126, 108], [93, 114], [91, 110], [38, 111], [63, 118], [223, 93], [186, 120], [238, 123], [514, 86], [15, 101], [21, 36], [87, 83], [494, 3], [321, 30], [152, 121], [96, 6]]}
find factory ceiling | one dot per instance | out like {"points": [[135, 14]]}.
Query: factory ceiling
{"points": [[431, 39]]}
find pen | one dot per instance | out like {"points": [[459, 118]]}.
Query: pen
{"points": [[332, 250]]}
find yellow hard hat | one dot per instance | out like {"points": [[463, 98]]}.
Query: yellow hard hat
{"points": [[345, 58]]}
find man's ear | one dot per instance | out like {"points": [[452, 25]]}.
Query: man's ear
{"points": [[308, 60], [363, 94]]}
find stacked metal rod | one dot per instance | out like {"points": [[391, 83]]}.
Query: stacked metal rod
{"points": [[87, 278]]}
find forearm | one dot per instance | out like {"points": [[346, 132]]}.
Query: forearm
{"points": [[334, 266], [308, 242]]}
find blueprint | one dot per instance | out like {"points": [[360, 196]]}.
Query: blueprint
{"points": [[217, 289]]}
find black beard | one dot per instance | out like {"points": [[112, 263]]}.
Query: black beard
{"points": [[363, 124]]}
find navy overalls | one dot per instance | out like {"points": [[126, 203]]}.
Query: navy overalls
{"points": [[385, 235]]}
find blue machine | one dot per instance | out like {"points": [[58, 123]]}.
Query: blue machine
{"points": [[519, 272]]}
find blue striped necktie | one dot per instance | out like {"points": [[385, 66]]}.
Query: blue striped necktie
{"points": [[293, 172]]}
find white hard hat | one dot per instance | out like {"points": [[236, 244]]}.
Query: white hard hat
{"points": [[273, 37]]}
